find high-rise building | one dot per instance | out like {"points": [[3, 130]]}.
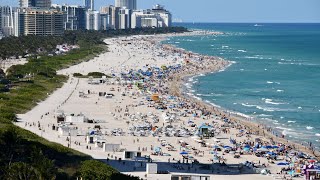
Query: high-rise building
{"points": [[35, 3], [74, 16], [39, 22], [7, 24], [125, 18], [129, 4], [156, 17], [93, 20], [105, 21], [113, 13], [89, 4]]}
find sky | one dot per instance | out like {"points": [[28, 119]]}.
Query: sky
{"points": [[287, 11]]}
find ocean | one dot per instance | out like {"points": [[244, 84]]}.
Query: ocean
{"points": [[275, 77]]}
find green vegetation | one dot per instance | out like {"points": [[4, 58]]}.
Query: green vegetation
{"points": [[91, 74], [24, 155]]}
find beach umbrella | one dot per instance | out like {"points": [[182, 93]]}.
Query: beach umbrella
{"points": [[184, 153], [215, 146], [246, 146], [282, 164], [241, 131], [312, 161], [227, 147], [246, 149]]}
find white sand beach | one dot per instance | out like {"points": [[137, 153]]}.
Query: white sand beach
{"points": [[131, 119]]}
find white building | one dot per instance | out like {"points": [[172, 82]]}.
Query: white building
{"points": [[7, 20], [93, 20], [156, 17], [129, 4]]}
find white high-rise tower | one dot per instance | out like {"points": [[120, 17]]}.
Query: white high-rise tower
{"points": [[129, 4]]}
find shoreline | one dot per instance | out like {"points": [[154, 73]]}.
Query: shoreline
{"points": [[234, 116]]}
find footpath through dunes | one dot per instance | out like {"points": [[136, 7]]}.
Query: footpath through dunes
{"points": [[125, 118]]}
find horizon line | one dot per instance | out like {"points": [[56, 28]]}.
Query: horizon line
{"points": [[253, 22]]}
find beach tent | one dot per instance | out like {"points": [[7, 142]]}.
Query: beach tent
{"points": [[155, 97], [204, 129]]}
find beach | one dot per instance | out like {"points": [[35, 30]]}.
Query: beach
{"points": [[143, 108]]}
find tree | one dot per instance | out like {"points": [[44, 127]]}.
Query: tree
{"points": [[2, 73], [20, 171], [93, 169]]}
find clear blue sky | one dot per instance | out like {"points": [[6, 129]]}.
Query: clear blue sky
{"points": [[225, 10]]}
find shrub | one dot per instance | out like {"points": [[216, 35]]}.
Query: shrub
{"points": [[77, 75]]}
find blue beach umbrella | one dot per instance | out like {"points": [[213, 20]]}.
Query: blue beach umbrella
{"points": [[184, 153], [282, 164], [246, 149]]}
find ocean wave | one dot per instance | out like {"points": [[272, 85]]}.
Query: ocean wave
{"points": [[248, 105], [299, 64], [241, 50], [317, 134], [291, 121], [283, 128], [270, 101], [309, 127], [271, 82], [266, 109], [280, 90], [264, 115]]}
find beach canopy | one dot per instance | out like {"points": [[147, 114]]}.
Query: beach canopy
{"points": [[246, 149], [227, 147], [184, 153], [263, 149], [157, 149], [282, 163]]}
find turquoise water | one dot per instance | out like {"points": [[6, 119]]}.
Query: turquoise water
{"points": [[275, 78]]}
